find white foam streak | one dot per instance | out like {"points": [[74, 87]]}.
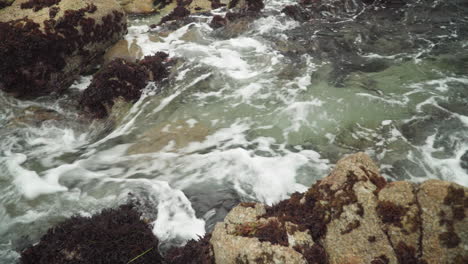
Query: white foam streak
{"points": [[27, 181]]}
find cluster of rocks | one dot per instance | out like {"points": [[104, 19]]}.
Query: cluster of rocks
{"points": [[49, 44], [351, 216], [46, 45]]}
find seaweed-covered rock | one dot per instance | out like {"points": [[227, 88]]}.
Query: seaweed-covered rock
{"points": [[444, 223], [351, 216], [123, 80], [112, 236], [47, 44], [194, 252], [5, 3]]}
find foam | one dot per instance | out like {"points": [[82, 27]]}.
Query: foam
{"points": [[28, 182]]}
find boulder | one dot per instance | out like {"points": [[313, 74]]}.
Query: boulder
{"points": [[48, 44], [351, 216]]}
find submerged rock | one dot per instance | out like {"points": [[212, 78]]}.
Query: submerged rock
{"points": [[351, 216], [112, 236], [47, 44]]}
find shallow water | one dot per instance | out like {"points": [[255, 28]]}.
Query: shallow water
{"points": [[250, 116]]}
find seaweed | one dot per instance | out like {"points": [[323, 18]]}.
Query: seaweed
{"points": [[391, 213], [37, 5], [27, 67], [407, 254], [122, 79], [194, 252], [112, 236], [380, 260], [117, 79], [315, 254]]}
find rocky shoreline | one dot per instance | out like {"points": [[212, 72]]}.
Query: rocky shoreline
{"points": [[353, 215]]}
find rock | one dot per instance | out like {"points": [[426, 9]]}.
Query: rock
{"points": [[353, 185], [122, 50], [351, 216], [121, 80], [247, 5], [34, 115], [138, 6], [112, 236], [77, 31], [239, 9], [296, 12], [231, 246], [444, 207], [178, 133], [194, 252], [400, 214], [118, 79]]}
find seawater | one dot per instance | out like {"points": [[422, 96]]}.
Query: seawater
{"points": [[253, 116]]}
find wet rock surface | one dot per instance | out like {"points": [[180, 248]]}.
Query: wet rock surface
{"points": [[78, 33], [351, 216]]}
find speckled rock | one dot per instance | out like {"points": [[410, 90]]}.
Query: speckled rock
{"points": [[77, 31], [352, 216], [347, 237], [138, 6], [444, 208], [231, 248]]}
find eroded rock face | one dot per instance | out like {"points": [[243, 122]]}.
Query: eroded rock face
{"points": [[49, 43], [351, 216]]}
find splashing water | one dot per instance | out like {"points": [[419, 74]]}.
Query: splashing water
{"points": [[251, 117]]}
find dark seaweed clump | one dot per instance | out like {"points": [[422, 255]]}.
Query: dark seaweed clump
{"points": [[391, 213], [380, 260], [37, 5], [194, 252], [407, 254], [178, 13], [118, 79], [218, 22], [113, 236], [122, 79], [251, 5], [33, 61], [155, 64], [271, 231], [457, 202], [315, 254]]}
